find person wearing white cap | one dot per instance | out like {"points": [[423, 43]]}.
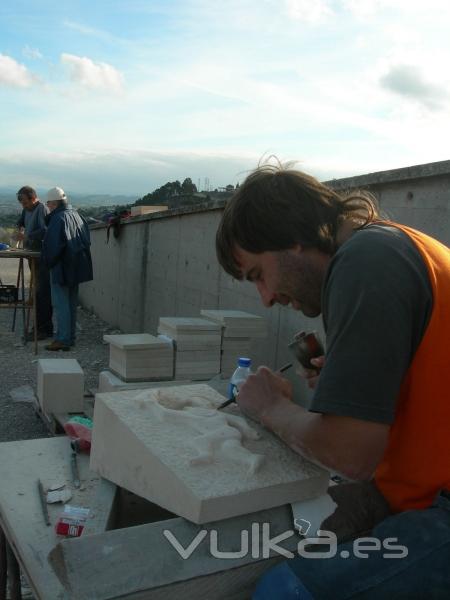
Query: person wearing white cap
{"points": [[66, 251], [56, 195]]}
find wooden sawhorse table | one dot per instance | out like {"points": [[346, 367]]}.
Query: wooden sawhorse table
{"points": [[21, 301]]}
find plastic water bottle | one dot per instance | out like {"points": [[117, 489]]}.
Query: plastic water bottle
{"points": [[239, 376]]}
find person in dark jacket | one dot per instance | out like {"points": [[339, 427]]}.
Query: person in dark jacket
{"points": [[66, 251], [32, 227]]}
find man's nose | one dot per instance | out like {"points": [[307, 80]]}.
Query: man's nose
{"points": [[267, 297]]}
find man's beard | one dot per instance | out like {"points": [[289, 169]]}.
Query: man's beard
{"points": [[300, 279]]}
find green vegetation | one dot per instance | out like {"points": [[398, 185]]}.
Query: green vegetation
{"points": [[5, 234], [9, 219], [168, 192]]}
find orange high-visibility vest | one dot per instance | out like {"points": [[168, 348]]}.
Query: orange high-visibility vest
{"points": [[416, 463]]}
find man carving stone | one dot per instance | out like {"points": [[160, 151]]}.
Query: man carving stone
{"points": [[380, 410]]}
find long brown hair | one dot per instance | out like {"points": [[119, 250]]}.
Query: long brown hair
{"points": [[278, 207]]}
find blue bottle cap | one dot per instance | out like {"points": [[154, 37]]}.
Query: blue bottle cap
{"points": [[244, 362]]}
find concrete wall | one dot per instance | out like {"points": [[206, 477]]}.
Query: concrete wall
{"points": [[165, 264], [417, 196]]}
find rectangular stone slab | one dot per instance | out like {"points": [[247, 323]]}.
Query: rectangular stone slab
{"points": [[109, 382], [143, 441], [142, 364], [237, 323], [139, 563], [135, 341], [60, 385], [192, 325], [140, 357]]}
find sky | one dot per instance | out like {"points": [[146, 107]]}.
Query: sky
{"points": [[121, 96]]}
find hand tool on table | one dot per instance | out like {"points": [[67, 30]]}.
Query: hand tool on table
{"points": [[43, 500], [74, 444], [231, 400]]}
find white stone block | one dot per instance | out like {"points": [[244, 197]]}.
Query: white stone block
{"points": [[140, 357], [60, 385], [191, 333], [108, 382], [172, 447], [237, 323], [197, 364]]}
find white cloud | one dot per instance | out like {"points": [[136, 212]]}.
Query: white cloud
{"points": [[121, 171], [408, 81], [310, 11], [91, 31], [85, 29], [32, 53], [366, 8], [202, 79], [93, 75], [13, 73]]}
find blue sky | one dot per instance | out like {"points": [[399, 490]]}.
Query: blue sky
{"points": [[120, 96]]}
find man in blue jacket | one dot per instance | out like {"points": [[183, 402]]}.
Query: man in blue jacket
{"points": [[66, 252]]}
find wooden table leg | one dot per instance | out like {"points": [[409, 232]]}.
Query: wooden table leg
{"points": [[18, 288], [34, 277], [3, 566], [22, 285], [14, 575], [28, 307]]}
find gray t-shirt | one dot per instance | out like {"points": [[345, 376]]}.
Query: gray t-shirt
{"points": [[34, 223], [377, 302]]}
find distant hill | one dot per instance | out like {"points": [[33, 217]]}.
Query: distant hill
{"points": [[100, 199], [101, 206], [8, 197], [91, 205]]}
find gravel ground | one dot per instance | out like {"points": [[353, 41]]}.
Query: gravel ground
{"points": [[18, 420]]}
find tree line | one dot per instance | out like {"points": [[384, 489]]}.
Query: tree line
{"points": [[173, 194], [166, 192]]}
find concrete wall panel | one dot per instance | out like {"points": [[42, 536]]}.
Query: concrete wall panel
{"points": [[102, 294], [166, 265]]}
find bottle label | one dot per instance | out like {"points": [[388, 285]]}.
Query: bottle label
{"points": [[232, 391]]}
